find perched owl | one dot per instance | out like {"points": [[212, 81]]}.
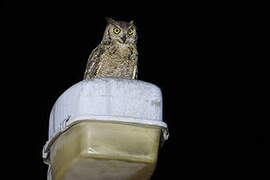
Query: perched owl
{"points": [[116, 55]]}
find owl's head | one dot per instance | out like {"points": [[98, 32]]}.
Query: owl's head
{"points": [[120, 31]]}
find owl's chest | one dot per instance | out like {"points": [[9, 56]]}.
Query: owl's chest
{"points": [[118, 61], [118, 55], [120, 52]]}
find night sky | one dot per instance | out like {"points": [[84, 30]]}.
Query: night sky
{"points": [[208, 62]]}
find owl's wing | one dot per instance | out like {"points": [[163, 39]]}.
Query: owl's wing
{"points": [[135, 70], [93, 62]]}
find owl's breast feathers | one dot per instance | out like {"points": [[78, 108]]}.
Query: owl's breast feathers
{"points": [[123, 52]]}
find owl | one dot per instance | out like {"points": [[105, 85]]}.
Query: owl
{"points": [[116, 55]]}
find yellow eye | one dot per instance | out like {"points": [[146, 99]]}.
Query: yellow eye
{"points": [[116, 30], [130, 31]]}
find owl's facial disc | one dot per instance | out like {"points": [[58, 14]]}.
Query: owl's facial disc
{"points": [[122, 32]]}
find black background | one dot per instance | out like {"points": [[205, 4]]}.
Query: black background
{"points": [[208, 60]]}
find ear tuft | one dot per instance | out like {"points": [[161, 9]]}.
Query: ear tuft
{"points": [[131, 22], [110, 20]]}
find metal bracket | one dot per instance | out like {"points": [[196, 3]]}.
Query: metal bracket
{"points": [[63, 124], [164, 137]]}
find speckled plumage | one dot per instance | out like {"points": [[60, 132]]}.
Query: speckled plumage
{"points": [[116, 55]]}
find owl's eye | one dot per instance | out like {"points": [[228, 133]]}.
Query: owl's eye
{"points": [[130, 31], [116, 30]]}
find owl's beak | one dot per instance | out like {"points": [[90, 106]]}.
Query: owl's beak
{"points": [[124, 37]]}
